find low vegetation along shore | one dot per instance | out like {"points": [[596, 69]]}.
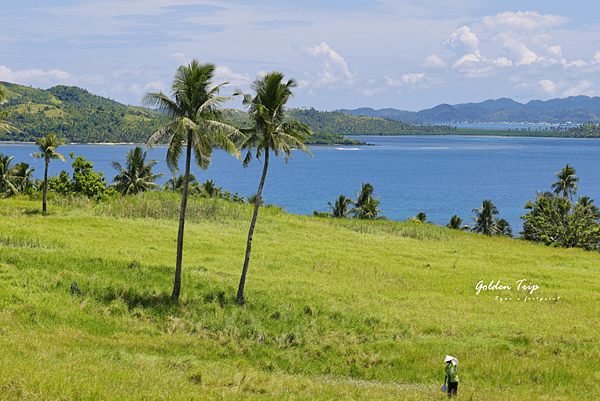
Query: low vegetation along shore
{"points": [[335, 308]]}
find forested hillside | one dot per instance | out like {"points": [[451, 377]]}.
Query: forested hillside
{"points": [[345, 124], [75, 114]]}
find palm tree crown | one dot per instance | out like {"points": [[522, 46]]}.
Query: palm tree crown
{"points": [[7, 177], [197, 125], [456, 224], [484, 218], [567, 182], [22, 174], [137, 177], [340, 209], [366, 206], [270, 132]]}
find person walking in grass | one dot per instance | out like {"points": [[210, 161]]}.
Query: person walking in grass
{"points": [[451, 375]]}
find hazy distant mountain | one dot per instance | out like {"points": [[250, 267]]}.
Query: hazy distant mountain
{"points": [[574, 109]]}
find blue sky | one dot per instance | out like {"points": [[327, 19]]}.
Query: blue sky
{"points": [[408, 55]]}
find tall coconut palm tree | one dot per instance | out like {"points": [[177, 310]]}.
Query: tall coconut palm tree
{"points": [[567, 182], [197, 125], [340, 209], [7, 178], [270, 133], [138, 177], [484, 218], [47, 146]]}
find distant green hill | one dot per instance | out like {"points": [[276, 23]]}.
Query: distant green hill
{"points": [[77, 115], [346, 124]]}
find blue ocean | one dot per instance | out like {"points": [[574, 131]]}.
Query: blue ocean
{"points": [[438, 175]]}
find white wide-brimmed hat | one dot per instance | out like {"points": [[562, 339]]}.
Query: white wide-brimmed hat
{"points": [[452, 359]]}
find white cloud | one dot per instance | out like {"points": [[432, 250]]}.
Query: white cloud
{"points": [[434, 61], [528, 21], [180, 57], [335, 67], [548, 86], [35, 76], [475, 72], [554, 51], [153, 86], [412, 78], [225, 74], [597, 58], [580, 89], [574, 63], [503, 62], [467, 58], [464, 37], [393, 82], [519, 50], [303, 83], [371, 91]]}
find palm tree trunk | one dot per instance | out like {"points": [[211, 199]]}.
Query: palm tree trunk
{"points": [[45, 187], [240, 294], [184, 195]]}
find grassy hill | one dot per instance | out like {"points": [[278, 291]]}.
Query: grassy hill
{"points": [[336, 309], [77, 115]]}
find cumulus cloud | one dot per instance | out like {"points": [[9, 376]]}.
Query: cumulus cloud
{"points": [[518, 49], [467, 58], [528, 21], [412, 79], [574, 63], [581, 89], [434, 61], [225, 74], [463, 37], [153, 86], [554, 51], [180, 57], [303, 83], [335, 67], [597, 58], [393, 82], [371, 91], [548, 86], [503, 62], [35, 76]]}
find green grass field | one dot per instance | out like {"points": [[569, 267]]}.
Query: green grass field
{"points": [[336, 309]]}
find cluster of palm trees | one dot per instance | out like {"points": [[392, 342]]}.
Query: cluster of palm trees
{"points": [[197, 127], [365, 207]]}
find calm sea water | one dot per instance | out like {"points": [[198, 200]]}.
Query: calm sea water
{"points": [[438, 175]]}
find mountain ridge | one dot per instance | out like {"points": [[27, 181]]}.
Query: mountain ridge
{"points": [[570, 110]]}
